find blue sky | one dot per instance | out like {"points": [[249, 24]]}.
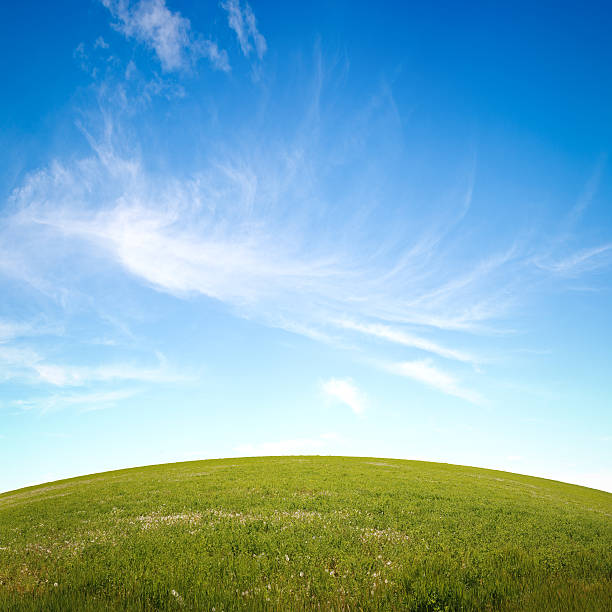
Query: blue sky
{"points": [[234, 229]]}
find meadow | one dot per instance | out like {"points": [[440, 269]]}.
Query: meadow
{"points": [[302, 533]]}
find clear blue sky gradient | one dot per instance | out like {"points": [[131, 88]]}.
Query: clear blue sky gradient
{"points": [[349, 228]]}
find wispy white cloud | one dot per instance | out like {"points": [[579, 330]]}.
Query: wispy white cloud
{"points": [[84, 402], [27, 364], [211, 235], [170, 238], [11, 329], [168, 33], [255, 230], [346, 392], [398, 336], [17, 362], [39, 326], [425, 372], [579, 262], [74, 376], [560, 256], [243, 22], [217, 240], [590, 190], [217, 56]]}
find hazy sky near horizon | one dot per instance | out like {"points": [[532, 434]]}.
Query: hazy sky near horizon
{"points": [[311, 228]]}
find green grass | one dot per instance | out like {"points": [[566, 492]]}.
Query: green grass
{"points": [[293, 533]]}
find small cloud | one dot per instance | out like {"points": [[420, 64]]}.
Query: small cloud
{"points": [[100, 43], [217, 57], [82, 58], [344, 391], [130, 70], [167, 33], [244, 24]]}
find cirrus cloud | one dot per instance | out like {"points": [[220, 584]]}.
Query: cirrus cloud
{"points": [[168, 33]]}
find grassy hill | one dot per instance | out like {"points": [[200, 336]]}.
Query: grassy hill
{"points": [[293, 533]]}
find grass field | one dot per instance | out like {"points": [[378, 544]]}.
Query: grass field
{"points": [[293, 533]]}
